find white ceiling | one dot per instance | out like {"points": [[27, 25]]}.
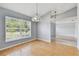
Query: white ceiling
{"points": [[29, 8]]}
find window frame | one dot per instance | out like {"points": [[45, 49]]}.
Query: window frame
{"points": [[18, 38]]}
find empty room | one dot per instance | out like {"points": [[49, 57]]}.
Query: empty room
{"points": [[39, 29]]}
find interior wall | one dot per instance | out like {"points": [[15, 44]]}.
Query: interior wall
{"points": [[47, 29], [53, 31], [77, 26], [44, 29], [66, 30], [6, 12]]}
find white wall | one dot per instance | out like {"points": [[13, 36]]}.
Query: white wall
{"points": [[65, 29], [44, 29], [77, 35], [64, 24], [47, 30], [78, 25], [53, 31]]}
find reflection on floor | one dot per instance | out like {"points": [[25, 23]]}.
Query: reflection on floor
{"points": [[40, 48]]}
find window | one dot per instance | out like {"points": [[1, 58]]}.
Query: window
{"points": [[17, 28]]}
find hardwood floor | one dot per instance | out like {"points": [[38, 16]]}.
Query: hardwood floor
{"points": [[40, 48]]}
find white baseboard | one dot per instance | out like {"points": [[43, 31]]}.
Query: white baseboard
{"points": [[49, 41], [24, 42], [78, 48], [16, 44]]}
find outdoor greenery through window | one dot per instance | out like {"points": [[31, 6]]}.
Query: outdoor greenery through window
{"points": [[17, 28]]}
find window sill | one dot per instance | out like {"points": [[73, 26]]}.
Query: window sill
{"points": [[19, 38]]}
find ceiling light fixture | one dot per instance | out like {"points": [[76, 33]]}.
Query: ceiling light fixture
{"points": [[36, 18], [53, 14]]}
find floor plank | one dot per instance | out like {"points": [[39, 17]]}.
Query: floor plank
{"points": [[40, 48]]}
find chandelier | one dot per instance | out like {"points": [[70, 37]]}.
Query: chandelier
{"points": [[36, 17], [53, 14]]}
